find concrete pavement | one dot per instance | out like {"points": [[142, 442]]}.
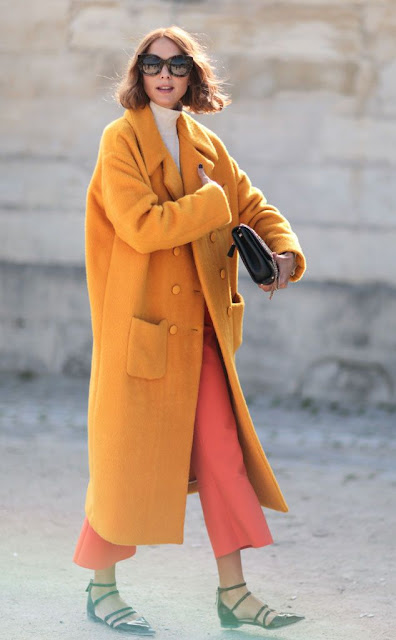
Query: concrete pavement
{"points": [[333, 559]]}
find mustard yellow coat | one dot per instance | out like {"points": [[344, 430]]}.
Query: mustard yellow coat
{"points": [[156, 248]]}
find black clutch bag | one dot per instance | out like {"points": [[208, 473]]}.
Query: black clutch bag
{"points": [[255, 255]]}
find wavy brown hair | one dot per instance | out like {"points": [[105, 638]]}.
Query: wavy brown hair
{"points": [[204, 93]]}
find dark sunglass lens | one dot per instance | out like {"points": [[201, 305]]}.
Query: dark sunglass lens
{"points": [[150, 64], [180, 65]]}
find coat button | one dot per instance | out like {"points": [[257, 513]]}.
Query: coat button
{"points": [[229, 311], [176, 289], [176, 251], [213, 237], [173, 329], [222, 274]]}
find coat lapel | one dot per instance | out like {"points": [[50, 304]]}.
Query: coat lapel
{"points": [[172, 178], [195, 148], [154, 150]]}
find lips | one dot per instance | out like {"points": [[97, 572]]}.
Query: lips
{"points": [[165, 88]]}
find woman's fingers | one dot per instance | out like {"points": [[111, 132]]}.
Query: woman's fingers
{"points": [[266, 287], [285, 264], [201, 172], [205, 179]]}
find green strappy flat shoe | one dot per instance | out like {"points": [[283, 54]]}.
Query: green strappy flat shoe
{"points": [[229, 620], [139, 626]]}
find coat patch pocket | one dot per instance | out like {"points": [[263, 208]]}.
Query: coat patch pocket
{"points": [[147, 349]]}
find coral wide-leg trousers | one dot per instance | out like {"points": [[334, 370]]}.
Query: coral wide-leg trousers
{"points": [[233, 515]]}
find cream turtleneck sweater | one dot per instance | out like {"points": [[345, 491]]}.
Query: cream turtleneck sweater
{"points": [[166, 122]]}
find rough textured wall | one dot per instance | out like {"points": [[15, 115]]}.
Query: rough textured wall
{"points": [[313, 122]]}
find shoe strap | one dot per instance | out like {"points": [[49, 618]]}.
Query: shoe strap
{"points": [[266, 616], [99, 584], [265, 606], [249, 593], [113, 622], [113, 613], [235, 586], [106, 595]]}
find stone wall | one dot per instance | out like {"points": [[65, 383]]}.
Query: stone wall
{"points": [[313, 122]]}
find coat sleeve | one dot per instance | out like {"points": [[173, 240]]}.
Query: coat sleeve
{"points": [[267, 221], [133, 209]]}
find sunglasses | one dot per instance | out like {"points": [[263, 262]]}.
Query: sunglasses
{"points": [[151, 65]]}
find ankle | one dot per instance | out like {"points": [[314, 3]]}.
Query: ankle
{"points": [[230, 596], [231, 585], [104, 576]]}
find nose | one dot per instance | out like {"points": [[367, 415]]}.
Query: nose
{"points": [[165, 72]]}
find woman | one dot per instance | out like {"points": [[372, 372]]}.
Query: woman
{"points": [[166, 413]]}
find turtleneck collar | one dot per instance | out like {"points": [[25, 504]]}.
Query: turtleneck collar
{"points": [[165, 120], [167, 117]]}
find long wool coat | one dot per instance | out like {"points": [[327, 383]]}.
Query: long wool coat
{"points": [[156, 249]]}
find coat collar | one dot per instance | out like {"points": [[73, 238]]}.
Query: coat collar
{"points": [[195, 144]]}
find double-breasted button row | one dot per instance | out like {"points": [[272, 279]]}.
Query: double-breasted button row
{"points": [[176, 251], [213, 236], [222, 274], [176, 289]]}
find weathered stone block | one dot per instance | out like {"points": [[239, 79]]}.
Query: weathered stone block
{"points": [[19, 352], [348, 327], [379, 21], [42, 237], [348, 254], [76, 5], [146, 17], [286, 31], [338, 379], [341, 196], [44, 319], [31, 186], [64, 74], [361, 140], [56, 127], [105, 27], [340, 76], [376, 196], [37, 292], [284, 129], [34, 26], [382, 102], [247, 76], [307, 194]]}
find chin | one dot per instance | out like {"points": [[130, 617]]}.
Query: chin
{"points": [[166, 99], [164, 103]]}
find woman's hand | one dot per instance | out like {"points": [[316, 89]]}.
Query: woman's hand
{"points": [[204, 178], [286, 265]]}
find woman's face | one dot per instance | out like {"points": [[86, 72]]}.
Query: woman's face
{"points": [[164, 89]]}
